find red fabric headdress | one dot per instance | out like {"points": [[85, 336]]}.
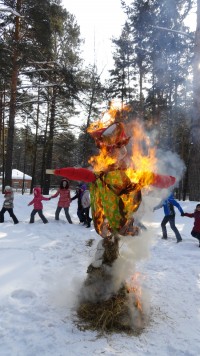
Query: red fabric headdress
{"points": [[111, 136]]}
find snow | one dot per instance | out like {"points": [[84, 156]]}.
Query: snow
{"points": [[16, 174], [42, 267]]}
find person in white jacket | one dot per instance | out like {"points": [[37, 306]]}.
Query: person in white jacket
{"points": [[85, 201], [8, 205]]}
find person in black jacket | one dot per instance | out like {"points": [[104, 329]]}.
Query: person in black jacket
{"points": [[80, 210]]}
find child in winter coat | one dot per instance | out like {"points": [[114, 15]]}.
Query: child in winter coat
{"points": [[168, 206], [8, 205], [80, 212], [64, 200], [196, 228], [85, 201], [37, 203]]}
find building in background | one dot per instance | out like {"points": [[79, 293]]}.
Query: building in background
{"points": [[19, 180]]}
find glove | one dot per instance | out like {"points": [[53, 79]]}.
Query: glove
{"points": [[182, 214]]}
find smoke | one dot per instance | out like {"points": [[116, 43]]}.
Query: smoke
{"points": [[63, 292], [170, 163], [133, 251], [106, 280]]}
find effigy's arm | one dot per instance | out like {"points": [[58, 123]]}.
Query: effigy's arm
{"points": [[79, 174], [162, 181], [147, 178]]}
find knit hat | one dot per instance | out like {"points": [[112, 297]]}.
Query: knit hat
{"points": [[8, 188], [83, 187]]}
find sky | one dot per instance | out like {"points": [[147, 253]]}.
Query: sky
{"points": [[99, 21], [43, 267]]}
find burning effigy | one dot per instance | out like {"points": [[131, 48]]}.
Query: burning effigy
{"points": [[124, 165]]}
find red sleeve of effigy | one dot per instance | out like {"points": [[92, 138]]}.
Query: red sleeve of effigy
{"points": [[79, 174], [161, 181]]}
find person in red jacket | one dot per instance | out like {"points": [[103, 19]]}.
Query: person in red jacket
{"points": [[37, 203], [64, 200], [196, 228]]}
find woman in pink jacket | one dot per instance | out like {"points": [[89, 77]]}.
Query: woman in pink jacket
{"points": [[64, 200], [37, 203]]}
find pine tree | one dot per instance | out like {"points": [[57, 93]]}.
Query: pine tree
{"points": [[24, 42], [194, 157]]}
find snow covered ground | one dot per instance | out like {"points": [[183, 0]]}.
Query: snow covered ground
{"points": [[43, 266]]}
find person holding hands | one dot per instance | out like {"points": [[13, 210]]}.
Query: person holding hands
{"points": [[196, 228], [64, 200], [37, 203], [168, 206], [8, 205]]}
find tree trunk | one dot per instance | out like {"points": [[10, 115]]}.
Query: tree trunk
{"points": [[35, 146], [43, 165], [194, 159], [50, 142], [12, 106]]}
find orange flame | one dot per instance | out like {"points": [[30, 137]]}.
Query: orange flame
{"points": [[135, 288], [142, 159], [134, 159], [116, 112], [102, 161], [142, 163]]}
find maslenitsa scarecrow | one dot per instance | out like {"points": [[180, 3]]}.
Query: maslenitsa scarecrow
{"points": [[115, 185]]}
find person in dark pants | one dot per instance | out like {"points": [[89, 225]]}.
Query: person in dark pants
{"points": [[37, 201], [196, 228], [64, 200], [80, 212], [168, 206], [8, 205], [85, 201]]}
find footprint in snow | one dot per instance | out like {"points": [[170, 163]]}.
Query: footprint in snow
{"points": [[23, 294]]}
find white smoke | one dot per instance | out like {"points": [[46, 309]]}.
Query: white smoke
{"points": [[63, 292], [170, 163]]}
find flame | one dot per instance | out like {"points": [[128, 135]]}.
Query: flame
{"points": [[143, 157], [102, 161], [135, 288], [116, 112], [135, 161]]}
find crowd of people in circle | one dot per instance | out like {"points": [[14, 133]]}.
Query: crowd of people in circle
{"points": [[63, 192], [83, 208]]}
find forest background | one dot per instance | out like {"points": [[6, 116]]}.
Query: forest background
{"points": [[45, 86]]}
